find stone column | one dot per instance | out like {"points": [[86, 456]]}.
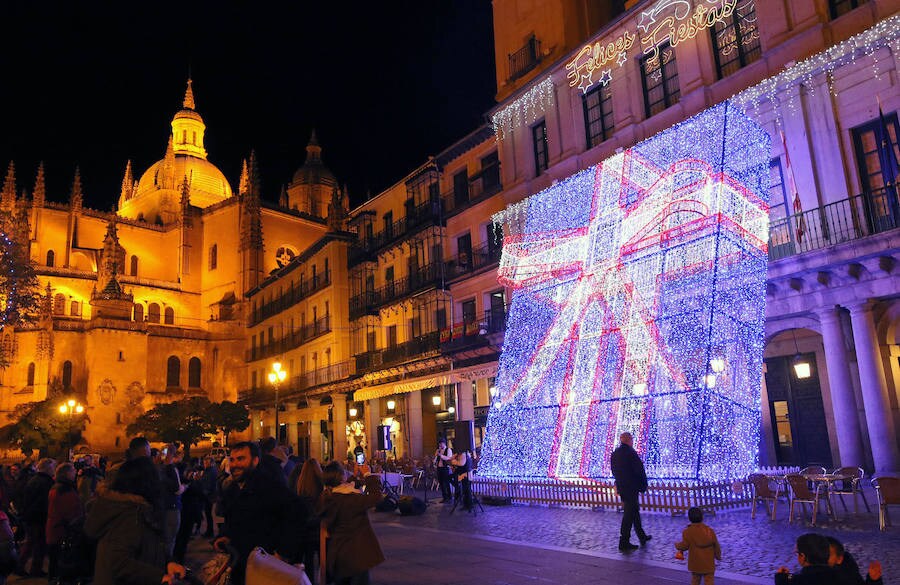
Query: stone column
{"points": [[465, 405], [874, 389], [315, 438], [414, 424], [373, 419], [846, 414], [339, 420], [292, 437]]}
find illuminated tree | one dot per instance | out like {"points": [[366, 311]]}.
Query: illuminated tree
{"points": [[228, 417], [39, 426], [182, 421]]}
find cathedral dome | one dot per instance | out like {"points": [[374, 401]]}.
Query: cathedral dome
{"points": [[207, 183], [313, 172]]}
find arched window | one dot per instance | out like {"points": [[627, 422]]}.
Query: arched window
{"points": [[51, 258], [194, 373], [30, 381], [134, 265], [67, 374], [138, 312], [153, 313], [75, 310], [213, 256], [170, 316], [59, 304], [173, 372]]}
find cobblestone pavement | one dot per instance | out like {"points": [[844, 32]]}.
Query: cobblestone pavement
{"points": [[751, 547]]}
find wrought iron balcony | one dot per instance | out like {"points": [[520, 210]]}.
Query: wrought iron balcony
{"points": [[290, 297], [419, 217], [290, 341], [842, 221], [481, 186], [421, 279], [468, 263], [525, 59], [421, 346], [473, 333]]}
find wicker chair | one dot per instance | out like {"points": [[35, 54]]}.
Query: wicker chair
{"points": [[887, 489], [801, 493], [848, 487], [762, 492]]}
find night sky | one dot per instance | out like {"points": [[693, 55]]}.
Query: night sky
{"points": [[385, 84]]}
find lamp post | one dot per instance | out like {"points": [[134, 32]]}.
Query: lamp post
{"points": [[276, 377], [70, 408]]}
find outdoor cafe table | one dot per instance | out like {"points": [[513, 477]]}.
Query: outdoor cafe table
{"points": [[826, 480]]}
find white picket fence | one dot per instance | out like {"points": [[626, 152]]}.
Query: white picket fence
{"points": [[672, 497]]}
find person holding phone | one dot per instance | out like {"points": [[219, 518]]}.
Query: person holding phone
{"points": [[442, 461]]}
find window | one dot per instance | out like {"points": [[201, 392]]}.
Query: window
{"points": [[541, 156], [841, 7], [876, 156], [75, 309], [67, 375], [736, 39], [778, 204], [440, 319], [389, 280], [468, 311], [370, 341], [213, 256], [134, 266], [173, 372], [153, 313], [490, 173], [659, 76], [194, 373], [138, 312], [59, 304], [30, 379], [494, 237], [460, 188], [51, 258], [598, 117], [392, 336], [388, 220], [464, 252], [169, 316]]}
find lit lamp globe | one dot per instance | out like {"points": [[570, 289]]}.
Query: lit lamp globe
{"points": [[436, 400], [63, 409], [391, 404], [353, 412]]}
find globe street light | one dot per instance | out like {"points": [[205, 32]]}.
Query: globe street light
{"points": [[276, 377], [70, 408]]}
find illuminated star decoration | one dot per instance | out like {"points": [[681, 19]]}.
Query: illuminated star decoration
{"points": [[587, 81], [633, 281], [647, 19], [605, 77], [656, 75], [623, 58]]}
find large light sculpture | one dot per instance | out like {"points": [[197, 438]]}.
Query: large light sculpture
{"points": [[638, 305]]}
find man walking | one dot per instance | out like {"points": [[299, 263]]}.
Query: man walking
{"points": [[631, 479]]}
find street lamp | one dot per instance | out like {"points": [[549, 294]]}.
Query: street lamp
{"points": [[276, 377], [70, 408]]}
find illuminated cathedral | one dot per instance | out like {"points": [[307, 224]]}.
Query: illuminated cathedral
{"points": [[145, 304]]}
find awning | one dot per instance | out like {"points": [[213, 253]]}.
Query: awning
{"points": [[405, 386], [401, 387]]}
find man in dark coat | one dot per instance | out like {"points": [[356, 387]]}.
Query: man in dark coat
{"points": [[256, 509], [35, 502], [631, 479]]}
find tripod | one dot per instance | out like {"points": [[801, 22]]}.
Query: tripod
{"points": [[467, 487]]}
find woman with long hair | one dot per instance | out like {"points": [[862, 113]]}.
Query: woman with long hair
{"points": [[126, 522], [308, 488]]}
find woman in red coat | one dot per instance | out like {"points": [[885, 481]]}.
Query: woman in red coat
{"points": [[65, 511]]}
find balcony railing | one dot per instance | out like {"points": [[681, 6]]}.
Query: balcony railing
{"points": [[420, 279], [842, 221], [418, 347], [290, 297], [423, 215], [290, 341], [481, 187], [524, 59], [472, 333], [321, 376], [467, 263]]}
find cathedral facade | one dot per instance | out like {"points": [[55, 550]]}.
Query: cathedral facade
{"points": [[145, 304]]}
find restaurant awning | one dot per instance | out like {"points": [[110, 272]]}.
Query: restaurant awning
{"points": [[424, 382]]}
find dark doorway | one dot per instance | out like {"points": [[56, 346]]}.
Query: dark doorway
{"points": [[798, 415]]}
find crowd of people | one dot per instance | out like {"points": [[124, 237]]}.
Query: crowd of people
{"points": [[131, 522]]}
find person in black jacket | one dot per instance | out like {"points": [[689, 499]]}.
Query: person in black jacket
{"points": [[35, 502], [845, 567], [631, 479], [256, 508], [812, 555]]}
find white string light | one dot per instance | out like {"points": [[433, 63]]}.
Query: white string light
{"points": [[526, 109]]}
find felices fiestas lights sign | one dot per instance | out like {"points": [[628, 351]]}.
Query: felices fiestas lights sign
{"points": [[667, 21]]}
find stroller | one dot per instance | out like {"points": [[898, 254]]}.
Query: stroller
{"points": [[262, 569]]}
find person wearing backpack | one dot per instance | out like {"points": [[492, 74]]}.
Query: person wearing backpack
{"points": [[65, 515]]}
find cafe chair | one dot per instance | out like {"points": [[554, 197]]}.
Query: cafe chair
{"points": [[801, 494], [762, 492], [851, 486], [887, 491], [813, 470]]}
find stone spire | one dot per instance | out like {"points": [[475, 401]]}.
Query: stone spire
{"points": [[108, 299], [244, 181], [337, 214], [189, 96], [186, 200], [168, 167], [255, 181], [127, 184], [8, 196], [40, 188], [283, 198], [313, 150], [76, 198]]}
